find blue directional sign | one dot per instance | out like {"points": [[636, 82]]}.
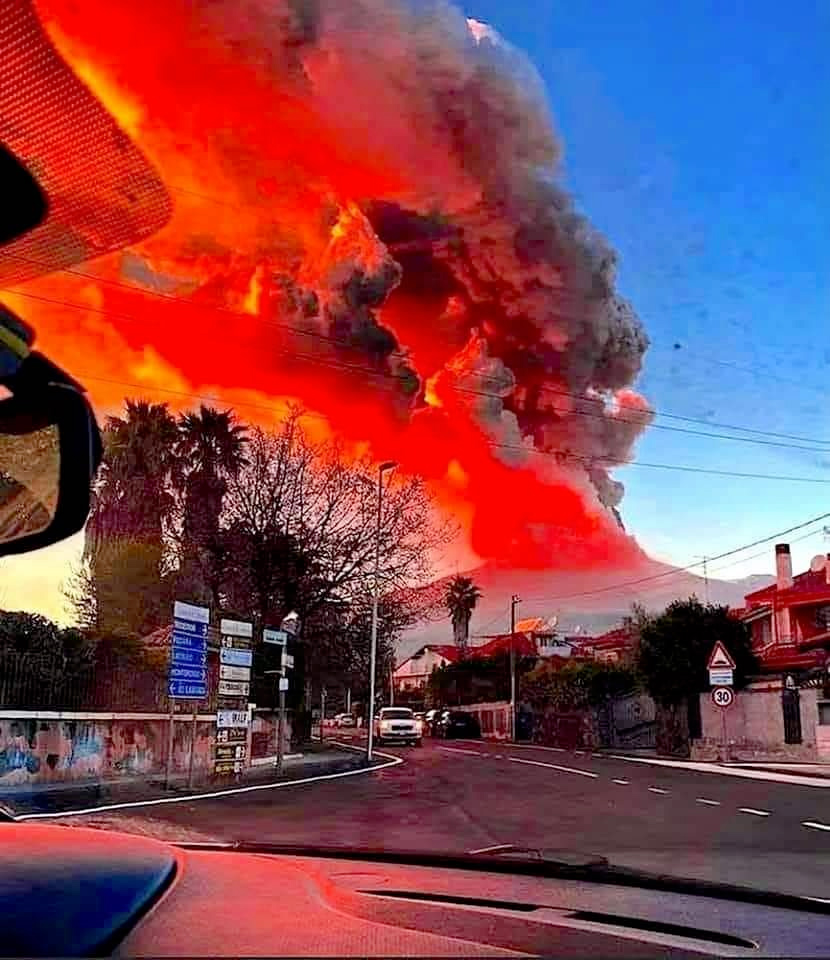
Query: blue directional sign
{"points": [[188, 658], [189, 641], [198, 674], [187, 626], [187, 689], [187, 674], [236, 658]]}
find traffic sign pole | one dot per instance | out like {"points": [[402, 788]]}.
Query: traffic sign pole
{"points": [[723, 736]]}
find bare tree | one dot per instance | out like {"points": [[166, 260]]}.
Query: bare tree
{"points": [[303, 518]]}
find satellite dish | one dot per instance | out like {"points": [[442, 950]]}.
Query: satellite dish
{"points": [[818, 562]]}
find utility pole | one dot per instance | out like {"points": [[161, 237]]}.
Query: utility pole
{"points": [[514, 602], [373, 640], [705, 578], [392, 683]]}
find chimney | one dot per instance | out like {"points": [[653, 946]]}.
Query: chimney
{"points": [[783, 566]]}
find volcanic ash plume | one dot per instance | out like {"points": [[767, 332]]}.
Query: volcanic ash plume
{"points": [[367, 215]]}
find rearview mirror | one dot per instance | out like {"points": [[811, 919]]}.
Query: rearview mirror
{"points": [[49, 450]]}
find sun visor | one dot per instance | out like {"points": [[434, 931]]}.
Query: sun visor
{"points": [[101, 192]]}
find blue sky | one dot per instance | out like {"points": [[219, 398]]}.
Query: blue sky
{"points": [[697, 138]]}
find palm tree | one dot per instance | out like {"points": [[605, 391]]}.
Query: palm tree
{"points": [[131, 510], [461, 598], [132, 497], [212, 446]]}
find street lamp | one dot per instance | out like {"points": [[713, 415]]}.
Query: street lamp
{"points": [[385, 467]]}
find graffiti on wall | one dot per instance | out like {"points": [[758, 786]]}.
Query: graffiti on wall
{"points": [[43, 751]]}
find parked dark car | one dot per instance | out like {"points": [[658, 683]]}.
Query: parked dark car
{"points": [[431, 718], [457, 723]]}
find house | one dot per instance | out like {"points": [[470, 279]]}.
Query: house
{"points": [[412, 675], [790, 619], [615, 646], [783, 713]]}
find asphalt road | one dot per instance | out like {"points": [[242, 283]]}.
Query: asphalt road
{"points": [[462, 796]]}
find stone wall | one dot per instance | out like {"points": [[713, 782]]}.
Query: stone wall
{"points": [[44, 747], [755, 726], [49, 747]]}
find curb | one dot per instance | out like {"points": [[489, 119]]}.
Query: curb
{"points": [[389, 761]]}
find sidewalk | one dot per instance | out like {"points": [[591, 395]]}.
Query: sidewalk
{"points": [[804, 774], [782, 766], [57, 798]]}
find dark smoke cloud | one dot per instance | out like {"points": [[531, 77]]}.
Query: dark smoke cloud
{"points": [[473, 234]]}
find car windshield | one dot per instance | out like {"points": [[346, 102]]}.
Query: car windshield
{"points": [[456, 356]]}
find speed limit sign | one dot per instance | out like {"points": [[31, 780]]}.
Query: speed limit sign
{"points": [[723, 697]]}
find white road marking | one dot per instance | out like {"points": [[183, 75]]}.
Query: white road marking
{"points": [[555, 766], [493, 849], [815, 825], [579, 753], [657, 790], [729, 771], [537, 746], [711, 803], [756, 813], [622, 783], [470, 753], [391, 761]]}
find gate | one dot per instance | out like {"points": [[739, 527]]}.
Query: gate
{"points": [[791, 708], [634, 722]]}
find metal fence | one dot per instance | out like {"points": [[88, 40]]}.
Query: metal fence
{"points": [[33, 683]]}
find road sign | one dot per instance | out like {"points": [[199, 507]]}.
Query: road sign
{"points": [[189, 640], [237, 658], [186, 690], [232, 735], [187, 657], [721, 677], [186, 673], [197, 674], [235, 643], [283, 683], [234, 673], [231, 718], [231, 751], [288, 660], [234, 688], [720, 657], [723, 697], [236, 628], [190, 612], [274, 636], [196, 628], [226, 767]]}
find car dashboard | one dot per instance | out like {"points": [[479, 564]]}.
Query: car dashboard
{"points": [[73, 891]]}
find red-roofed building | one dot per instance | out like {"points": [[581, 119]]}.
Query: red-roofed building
{"points": [[790, 619], [411, 676], [616, 646]]}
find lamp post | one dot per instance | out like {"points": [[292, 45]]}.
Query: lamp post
{"points": [[385, 467], [514, 602]]}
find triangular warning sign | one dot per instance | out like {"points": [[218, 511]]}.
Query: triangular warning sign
{"points": [[720, 658]]}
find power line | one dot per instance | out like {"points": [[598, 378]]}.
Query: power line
{"points": [[566, 455], [674, 572], [383, 375], [402, 355]]}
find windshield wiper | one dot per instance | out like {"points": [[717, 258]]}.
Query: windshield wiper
{"points": [[529, 861]]}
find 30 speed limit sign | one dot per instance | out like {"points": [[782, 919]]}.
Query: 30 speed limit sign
{"points": [[723, 697]]}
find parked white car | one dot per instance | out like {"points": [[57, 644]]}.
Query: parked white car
{"points": [[397, 725]]}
